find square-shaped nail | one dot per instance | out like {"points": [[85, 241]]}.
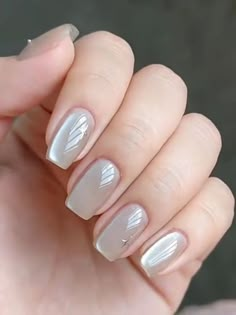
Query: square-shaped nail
{"points": [[93, 189], [71, 138], [122, 231], [163, 252]]}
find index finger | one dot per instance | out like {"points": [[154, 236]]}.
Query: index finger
{"points": [[92, 93]]}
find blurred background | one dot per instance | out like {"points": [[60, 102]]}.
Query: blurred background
{"points": [[197, 40]]}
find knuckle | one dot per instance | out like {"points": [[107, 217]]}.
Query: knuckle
{"points": [[99, 81], [223, 192], [205, 128], [220, 207], [167, 183], [167, 75], [116, 42], [134, 133]]}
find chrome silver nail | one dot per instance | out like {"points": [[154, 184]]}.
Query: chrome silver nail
{"points": [[71, 138], [122, 231], [93, 189], [164, 252]]}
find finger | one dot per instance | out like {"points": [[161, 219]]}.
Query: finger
{"points": [[30, 77], [193, 233], [168, 183], [150, 112], [33, 75], [172, 287], [203, 222], [91, 95]]}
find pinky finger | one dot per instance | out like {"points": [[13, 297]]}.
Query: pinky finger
{"points": [[193, 233]]}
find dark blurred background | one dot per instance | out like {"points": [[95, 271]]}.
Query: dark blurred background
{"points": [[197, 40]]}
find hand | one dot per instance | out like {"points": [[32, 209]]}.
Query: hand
{"points": [[130, 157]]}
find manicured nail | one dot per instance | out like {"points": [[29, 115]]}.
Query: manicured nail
{"points": [[93, 189], [71, 138], [48, 41], [121, 232], [164, 252]]}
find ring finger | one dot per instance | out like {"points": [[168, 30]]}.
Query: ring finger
{"points": [[169, 182]]}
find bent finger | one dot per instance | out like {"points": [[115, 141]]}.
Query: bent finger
{"points": [[29, 78]]}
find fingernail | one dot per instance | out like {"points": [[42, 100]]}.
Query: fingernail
{"points": [[71, 138], [48, 41], [163, 253], [93, 189], [121, 232]]}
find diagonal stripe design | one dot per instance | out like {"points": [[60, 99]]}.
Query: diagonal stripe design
{"points": [[71, 138], [76, 133]]}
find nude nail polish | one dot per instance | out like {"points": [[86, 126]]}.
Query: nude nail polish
{"points": [[71, 138], [122, 231], [48, 41], [93, 188], [163, 253]]}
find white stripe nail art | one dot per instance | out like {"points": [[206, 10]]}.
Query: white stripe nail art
{"points": [[71, 138], [78, 131], [162, 253], [93, 189]]}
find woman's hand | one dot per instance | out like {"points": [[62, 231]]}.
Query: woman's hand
{"points": [[135, 166]]}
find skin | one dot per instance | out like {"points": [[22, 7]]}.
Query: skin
{"points": [[48, 262]]}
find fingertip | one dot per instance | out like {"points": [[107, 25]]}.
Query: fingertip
{"points": [[27, 82]]}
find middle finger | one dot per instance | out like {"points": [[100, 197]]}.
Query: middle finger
{"points": [[151, 111]]}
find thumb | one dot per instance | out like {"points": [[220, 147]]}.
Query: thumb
{"points": [[26, 80]]}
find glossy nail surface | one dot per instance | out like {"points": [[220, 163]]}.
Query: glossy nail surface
{"points": [[164, 252], [122, 231], [93, 189], [48, 41], [71, 138]]}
